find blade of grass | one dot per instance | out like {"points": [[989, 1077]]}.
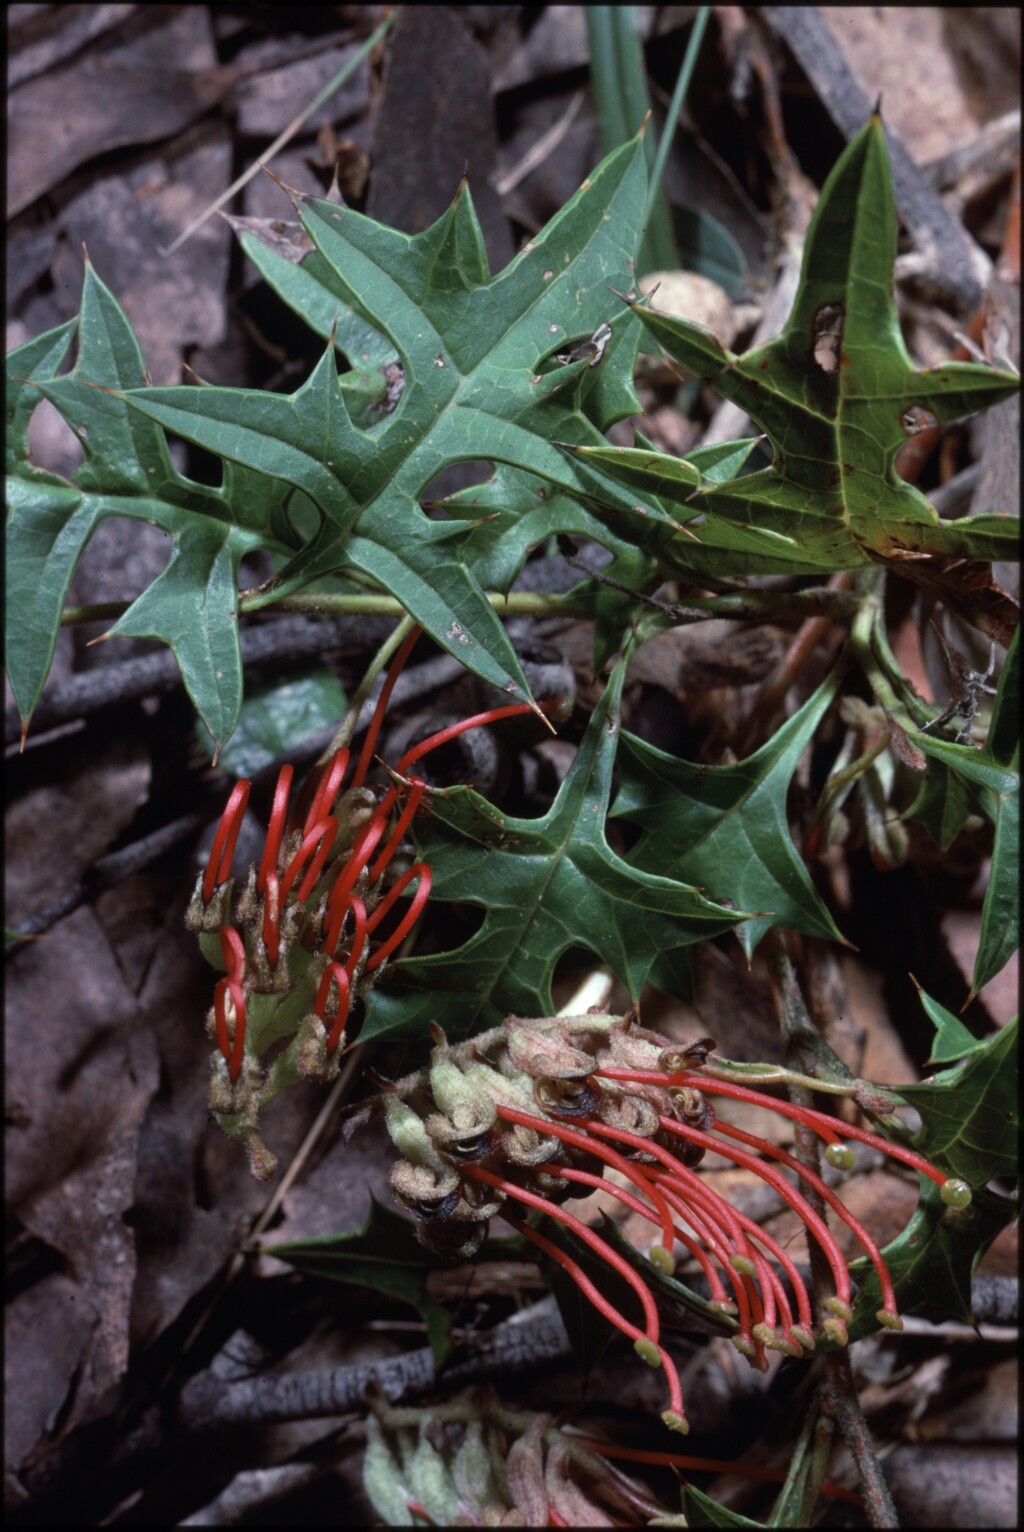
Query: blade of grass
{"points": [[676, 104], [350, 66], [619, 83]]}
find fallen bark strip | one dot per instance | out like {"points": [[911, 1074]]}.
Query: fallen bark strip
{"points": [[938, 235], [208, 1402], [150, 675]]}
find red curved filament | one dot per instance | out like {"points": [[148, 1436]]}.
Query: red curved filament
{"points": [[327, 791], [337, 973], [409, 919], [275, 830], [366, 754], [231, 1051], [218, 866]]}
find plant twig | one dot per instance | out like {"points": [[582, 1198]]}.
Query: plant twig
{"points": [[838, 1394], [534, 1337], [839, 1399], [148, 675]]}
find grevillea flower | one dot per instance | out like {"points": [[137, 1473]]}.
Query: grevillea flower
{"points": [[532, 1113], [474, 1462], [315, 920]]}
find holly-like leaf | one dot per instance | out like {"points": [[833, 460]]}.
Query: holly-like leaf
{"points": [[1000, 913], [38, 360], [944, 803], [933, 1260], [192, 605], [702, 1511], [449, 364], [837, 395], [952, 1039], [725, 829], [1003, 742], [969, 1128], [969, 1113], [546, 885], [384, 1255], [309, 288], [478, 382]]}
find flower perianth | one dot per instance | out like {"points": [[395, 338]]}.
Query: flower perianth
{"points": [[232, 1047], [316, 919]]}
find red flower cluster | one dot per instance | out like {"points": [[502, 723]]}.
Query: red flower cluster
{"points": [[300, 945], [538, 1111]]}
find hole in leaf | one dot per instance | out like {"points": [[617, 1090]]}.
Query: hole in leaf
{"points": [[827, 332], [451, 481], [918, 418]]}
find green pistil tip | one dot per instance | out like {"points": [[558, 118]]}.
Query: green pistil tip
{"points": [[676, 1422], [803, 1337], [840, 1156], [767, 1336], [789, 1344], [840, 1309], [890, 1319], [835, 1330], [724, 1306], [647, 1351], [955, 1193], [744, 1265], [745, 1347], [662, 1258]]}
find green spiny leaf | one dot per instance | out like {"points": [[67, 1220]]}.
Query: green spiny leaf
{"points": [[477, 384], [969, 1113], [277, 714], [725, 829], [933, 1259], [837, 395], [35, 362], [702, 1511], [952, 1039], [1000, 914], [127, 472], [546, 885], [944, 803]]}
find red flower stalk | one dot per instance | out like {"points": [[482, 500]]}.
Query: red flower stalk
{"points": [[705, 1465], [311, 913], [531, 1106]]}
